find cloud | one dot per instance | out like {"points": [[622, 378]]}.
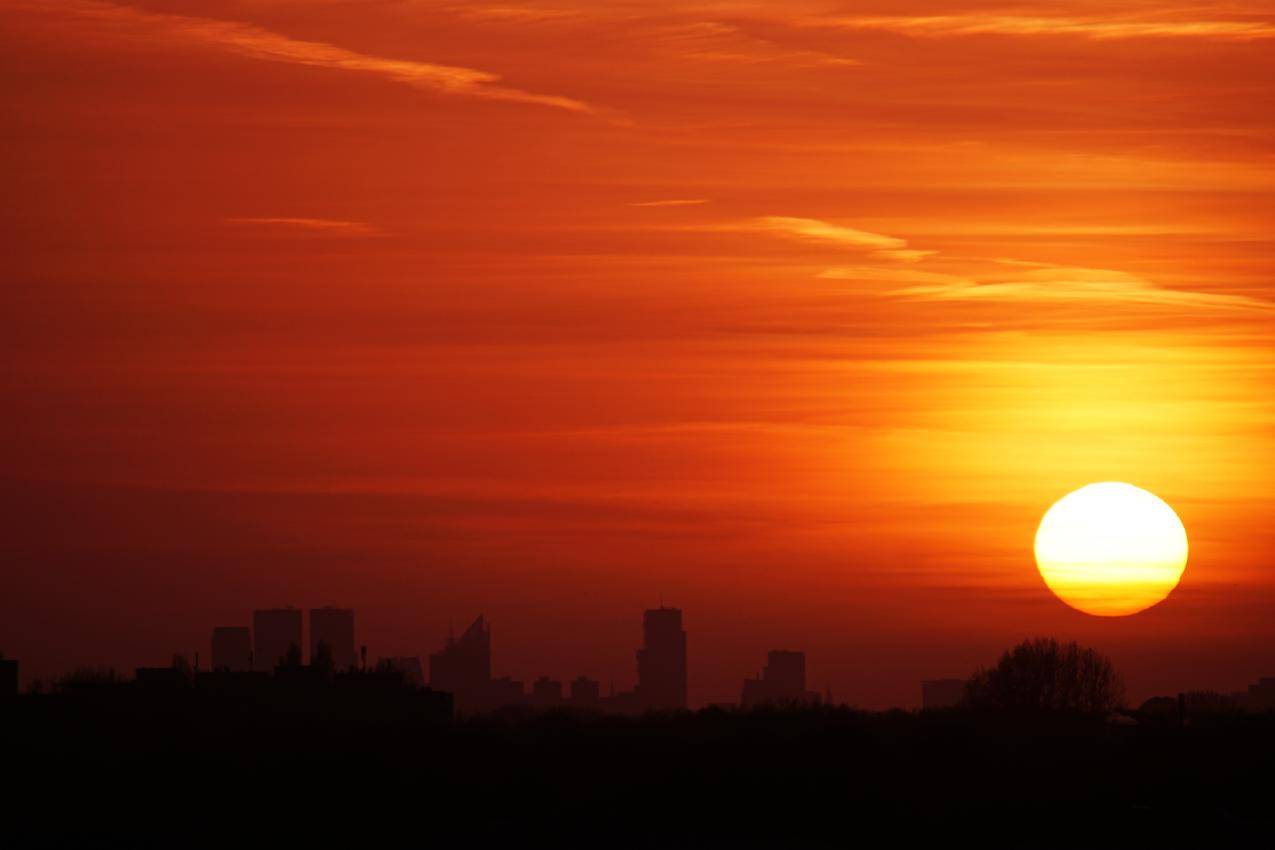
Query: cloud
{"points": [[1028, 282], [328, 227], [258, 43], [821, 231], [675, 202], [718, 41], [1036, 282], [906, 255], [893, 275], [814, 230], [1089, 27]]}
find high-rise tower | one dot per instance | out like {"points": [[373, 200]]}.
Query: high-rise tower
{"points": [[463, 667], [662, 660]]}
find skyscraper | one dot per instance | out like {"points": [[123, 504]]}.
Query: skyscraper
{"points": [[335, 627], [662, 660], [232, 648], [274, 630], [782, 681], [463, 667]]}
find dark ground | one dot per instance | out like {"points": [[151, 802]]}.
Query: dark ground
{"points": [[179, 773]]}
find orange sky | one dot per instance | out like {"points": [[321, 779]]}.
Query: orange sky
{"points": [[800, 314]]}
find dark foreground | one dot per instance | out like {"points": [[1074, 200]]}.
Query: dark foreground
{"points": [[180, 775]]}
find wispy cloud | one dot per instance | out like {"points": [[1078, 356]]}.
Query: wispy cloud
{"points": [[259, 43], [517, 14], [1039, 282], [814, 230], [719, 41], [674, 202], [324, 226], [821, 231], [894, 274], [1088, 27]]}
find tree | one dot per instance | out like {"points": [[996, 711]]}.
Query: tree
{"points": [[292, 659], [88, 677], [321, 659], [1043, 675]]}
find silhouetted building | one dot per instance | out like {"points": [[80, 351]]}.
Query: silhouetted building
{"points": [[1258, 697], [232, 648], [661, 661], [8, 678], [623, 702], [463, 668], [379, 682], [585, 693], [942, 693], [274, 630], [410, 667], [302, 679], [335, 627], [505, 692], [243, 685], [782, 682], [546, 693], [163, 678]]}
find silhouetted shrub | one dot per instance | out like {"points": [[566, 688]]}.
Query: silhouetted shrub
{"points": [[292, 659], [88, 677], [322, 660], [1043, 675]]}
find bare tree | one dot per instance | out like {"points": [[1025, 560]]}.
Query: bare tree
{"points": [[1043, 675]]}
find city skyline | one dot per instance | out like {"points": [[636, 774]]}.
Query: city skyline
{"points": [[803, 315], [463, 669], [705, 423]]}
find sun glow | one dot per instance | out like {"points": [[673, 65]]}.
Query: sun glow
{"points": [[1111, 549]]}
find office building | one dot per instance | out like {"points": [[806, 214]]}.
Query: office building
{"points": [[335, 627], [505, 692], [232, 648], [661, 661], [546, 693], [463, 668], [1258, 697], [782, 682], [274, 632]]}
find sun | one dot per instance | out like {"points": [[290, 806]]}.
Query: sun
{"points": [[1111, 549]]}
